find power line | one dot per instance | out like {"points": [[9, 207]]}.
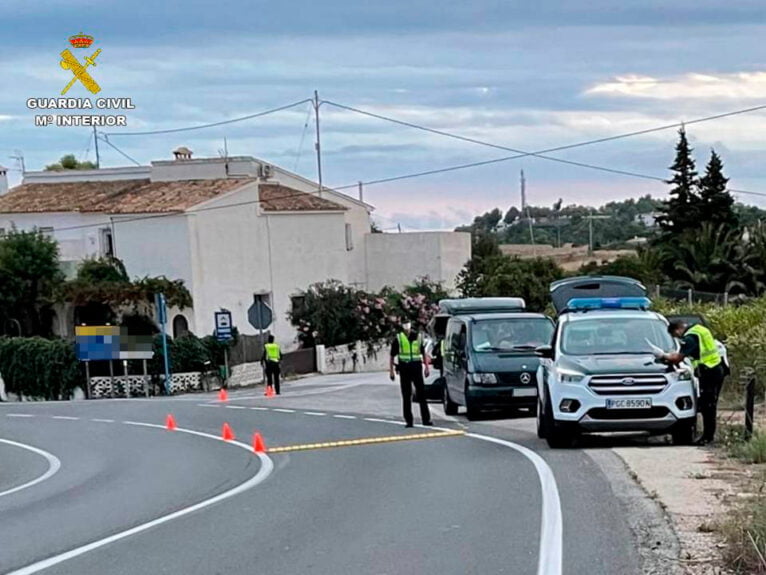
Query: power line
{"points": [[541, 154], [212, 125], [105, 139], [303, 138]]}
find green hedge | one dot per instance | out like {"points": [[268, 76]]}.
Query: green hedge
{"points": [[40, 368]]}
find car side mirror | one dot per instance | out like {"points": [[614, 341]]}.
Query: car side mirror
{"points": [[544, 351]]}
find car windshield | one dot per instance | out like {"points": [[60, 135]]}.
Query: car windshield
{"points": [[613, 336], [511, 335]]}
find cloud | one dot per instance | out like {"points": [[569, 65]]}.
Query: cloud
{"points": [[736, 86]]}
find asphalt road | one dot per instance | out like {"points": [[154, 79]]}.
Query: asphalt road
{"points": [[132, 498]]}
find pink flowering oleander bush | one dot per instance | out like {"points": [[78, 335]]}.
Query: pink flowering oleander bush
{"points": [[335, 314]]}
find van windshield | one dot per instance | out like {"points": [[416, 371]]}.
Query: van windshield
{"points": [[511, 335], [615, 336]]}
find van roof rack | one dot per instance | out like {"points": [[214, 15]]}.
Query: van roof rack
{"points": [[467, 306]]}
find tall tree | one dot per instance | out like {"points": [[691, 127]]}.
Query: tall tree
{"points": [[681, 211], [716, 203], [29, 272]]}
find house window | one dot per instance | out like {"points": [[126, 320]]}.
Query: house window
{"points": [[297, 303], [46, 231], [2, 233], [349, 238], [107, 243]]}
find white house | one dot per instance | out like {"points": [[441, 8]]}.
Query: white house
{"points": [[229, 227]]}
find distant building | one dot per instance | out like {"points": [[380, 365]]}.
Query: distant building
{"points": [[648, 220], [229, 228]]}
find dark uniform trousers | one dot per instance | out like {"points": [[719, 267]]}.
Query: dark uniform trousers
{"points": [[272, 374], [411, 374], [711, 381]]}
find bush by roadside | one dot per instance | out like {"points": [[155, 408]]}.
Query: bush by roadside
{"points": [[40, 368]]}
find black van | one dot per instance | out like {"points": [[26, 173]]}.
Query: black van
{"points": [[437, 328], [490, 361]]}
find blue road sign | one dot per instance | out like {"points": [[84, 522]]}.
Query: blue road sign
{"points": [[223, 325]]}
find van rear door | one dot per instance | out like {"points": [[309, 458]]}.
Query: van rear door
{"points": [[593, 286]]}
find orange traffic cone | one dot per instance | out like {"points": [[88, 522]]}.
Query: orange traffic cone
{"points": [[170, 422], [269, 391], [223, 395], [226, 433], [259, 446]]}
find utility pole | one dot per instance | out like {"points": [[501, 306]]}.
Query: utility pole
{"points": [[590, 234], [523, 192], [95, 144], [361, 192], [525, 208], [318, 145]]}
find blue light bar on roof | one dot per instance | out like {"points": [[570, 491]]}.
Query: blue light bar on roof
{"points": [[586, 303]]}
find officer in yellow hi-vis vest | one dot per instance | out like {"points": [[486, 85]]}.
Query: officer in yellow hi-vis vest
{"points": [[272, 356], [699, 345], [409, 349]]}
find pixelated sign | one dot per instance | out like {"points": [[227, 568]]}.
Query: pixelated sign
{"points": [[98, 343]]}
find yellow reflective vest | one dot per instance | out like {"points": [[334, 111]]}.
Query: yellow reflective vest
{"points": [[709, 355], [408, 350]]}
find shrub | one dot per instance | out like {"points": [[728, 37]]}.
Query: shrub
{"points": [[40, 368], [745, 535]]}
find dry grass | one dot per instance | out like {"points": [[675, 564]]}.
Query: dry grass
{"points": [[745, 535]]}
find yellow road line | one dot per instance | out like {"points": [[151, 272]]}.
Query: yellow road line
{"points": [[364, 441]]}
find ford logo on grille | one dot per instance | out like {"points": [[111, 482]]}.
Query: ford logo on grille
{"points": [[628, 381], [525, 378]]}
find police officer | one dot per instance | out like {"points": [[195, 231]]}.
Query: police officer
{"points": [[699, 345], [409, 349], [272, 357]]}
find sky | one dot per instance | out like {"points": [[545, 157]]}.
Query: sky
{"points": [[523, 75]]}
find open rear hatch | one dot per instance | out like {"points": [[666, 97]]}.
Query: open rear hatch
{"points": [[593, 286]]}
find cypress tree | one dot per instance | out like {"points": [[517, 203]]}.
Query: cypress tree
{"points": [[716, 203], [681, 212]]}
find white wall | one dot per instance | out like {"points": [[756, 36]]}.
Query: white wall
{"points": [[78, 235], [241, 251], [397, 260], [154, 246]]}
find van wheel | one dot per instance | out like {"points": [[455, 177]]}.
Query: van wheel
{"points": [[557, 435], [683, 432], [450, 408]]}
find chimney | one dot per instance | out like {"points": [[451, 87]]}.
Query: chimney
{"points": [[182, 153], [3, 180]]}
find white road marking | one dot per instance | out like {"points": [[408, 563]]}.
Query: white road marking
{"points": [[284, 410], [208, 405], [19, 415], [344, 416], [141, 424], [53, 466], [317, 413], [103, 420], [376, 420], [259, 408], [551, 532], [67, 417], [235, 407], [267, 466]]}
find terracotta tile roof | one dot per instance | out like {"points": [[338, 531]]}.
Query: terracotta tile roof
{"points": [[276, 198], [144, 196]]}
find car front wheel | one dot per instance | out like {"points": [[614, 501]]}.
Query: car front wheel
{"points": [[557, 435]]}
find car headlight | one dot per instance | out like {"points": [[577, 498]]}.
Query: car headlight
{"points": [[485, 378], [567, 376]]}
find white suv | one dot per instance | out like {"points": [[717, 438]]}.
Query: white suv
{"points": [[599, 373]]}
